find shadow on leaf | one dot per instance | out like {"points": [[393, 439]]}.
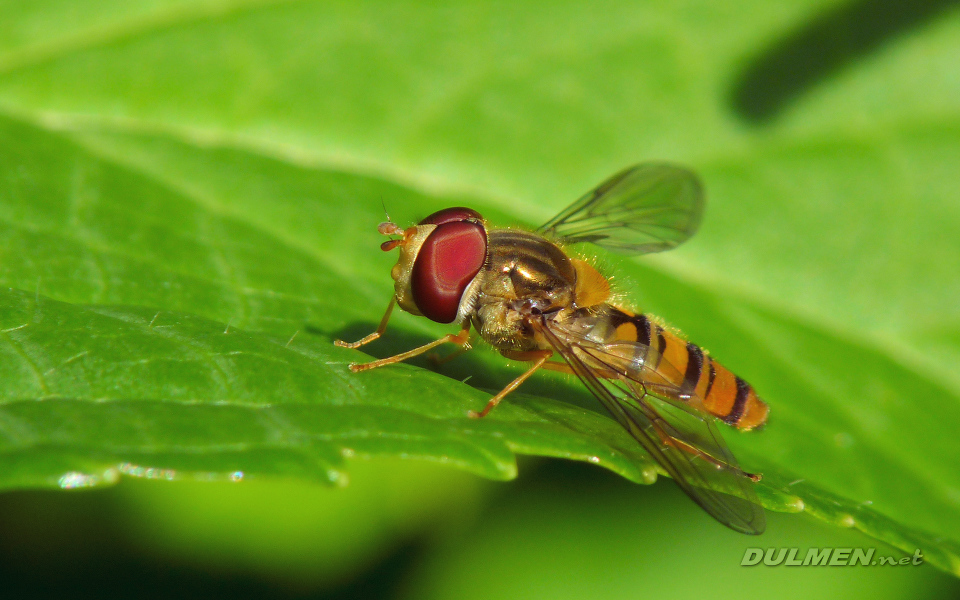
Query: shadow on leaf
{"points": [[822, 47]]}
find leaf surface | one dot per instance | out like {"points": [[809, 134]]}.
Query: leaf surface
{"points": [[188, 201]]}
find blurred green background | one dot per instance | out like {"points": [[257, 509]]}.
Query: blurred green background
{"points": [[227, 159]]}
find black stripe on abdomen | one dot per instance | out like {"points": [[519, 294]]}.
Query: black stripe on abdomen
{"points": [[661, 346], [643, 329], [739, 404], [694, 369], [710, 380]]}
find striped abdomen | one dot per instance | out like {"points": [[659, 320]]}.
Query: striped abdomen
{"points": [[687, 366]]}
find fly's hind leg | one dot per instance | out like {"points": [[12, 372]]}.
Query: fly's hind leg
{"points": [[539, 358], [668, 440], [681, 445]]}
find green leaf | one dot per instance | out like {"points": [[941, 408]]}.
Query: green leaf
{"points": [[173, 171], [100, 391], [611, 546]]}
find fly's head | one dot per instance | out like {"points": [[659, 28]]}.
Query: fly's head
{"points": [[439, 257]]}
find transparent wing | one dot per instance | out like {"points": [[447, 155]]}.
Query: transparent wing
{"points": [[676, 432], [650, 207]]}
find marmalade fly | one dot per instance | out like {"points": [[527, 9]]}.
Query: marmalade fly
{"points": [[533, 302]]}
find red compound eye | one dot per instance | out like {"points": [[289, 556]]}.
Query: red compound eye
{"points": [[449, 215], [447, 262]]}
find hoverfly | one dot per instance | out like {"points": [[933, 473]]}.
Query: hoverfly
{"points": [[534, 302]]}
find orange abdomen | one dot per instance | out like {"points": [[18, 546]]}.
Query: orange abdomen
{"points": [[687, 366]]}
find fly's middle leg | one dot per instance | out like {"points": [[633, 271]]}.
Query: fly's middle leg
{"points": [[539, 358]]}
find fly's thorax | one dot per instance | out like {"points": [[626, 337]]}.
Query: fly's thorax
{"points": [[439, 258], [525, 275], [527, 266]]}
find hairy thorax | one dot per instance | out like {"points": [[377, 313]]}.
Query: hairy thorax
{"points": [[525, 275]]}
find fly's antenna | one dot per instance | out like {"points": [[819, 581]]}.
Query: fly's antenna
{"points": [[384, 204], [388, 227]]}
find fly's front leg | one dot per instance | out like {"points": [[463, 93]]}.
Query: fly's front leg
{"points": [[456, 338], [539, 358], [376, 334]]}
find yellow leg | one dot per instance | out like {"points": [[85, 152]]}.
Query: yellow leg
{"points": [[376, 334], [558, 366], [539, 357], [455, 338], [438, 360], [668, 440]]}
